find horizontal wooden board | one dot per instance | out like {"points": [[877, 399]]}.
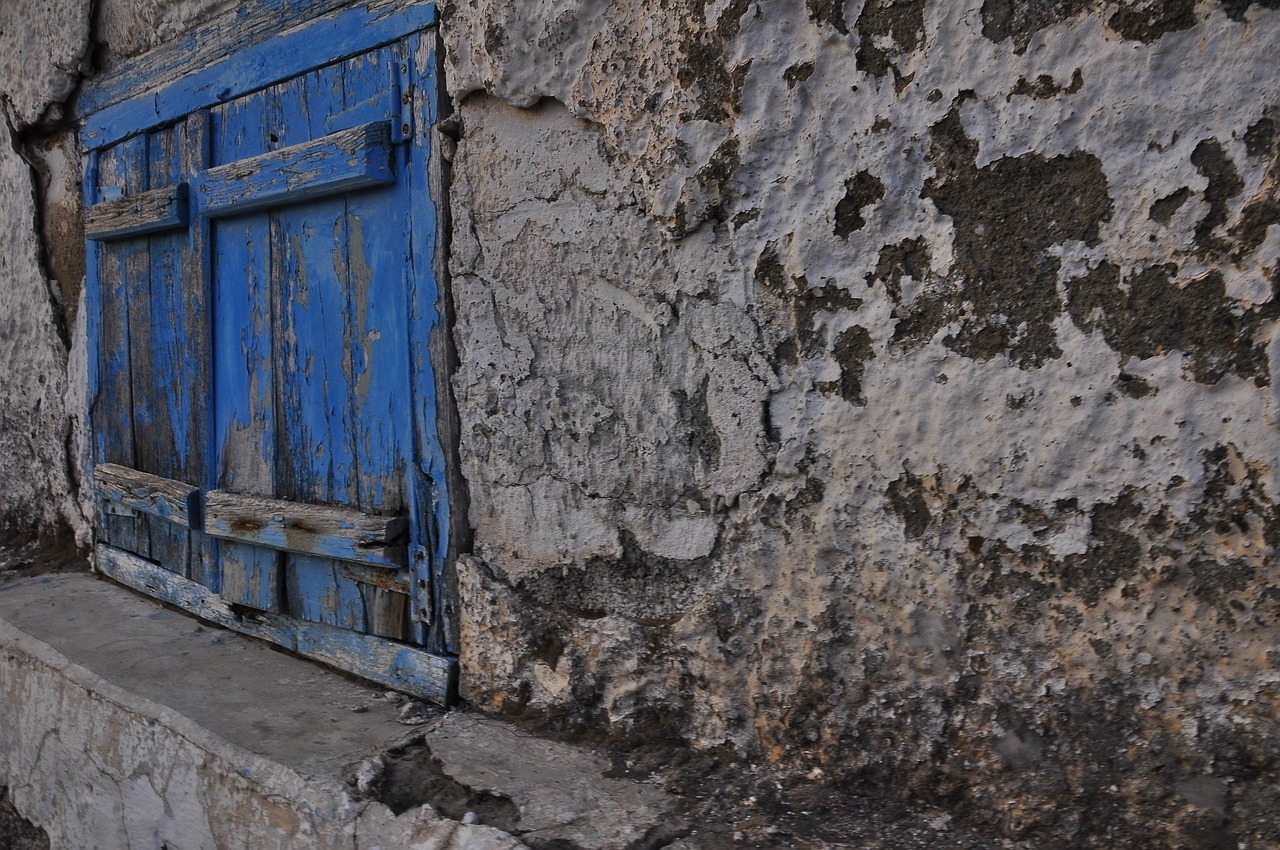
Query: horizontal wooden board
{"points": [[146, 212], [358, 158], [395, 665], [163, 497], [236, 55], [394, 580], [342, 533]]}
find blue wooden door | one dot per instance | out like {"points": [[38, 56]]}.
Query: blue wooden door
{"points": [[263, 299]]}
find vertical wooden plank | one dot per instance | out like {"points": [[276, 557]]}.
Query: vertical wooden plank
{"points": [[438, 509], [195, 351], [121, 168], [378, 332], [242, 341], [160, 387]]}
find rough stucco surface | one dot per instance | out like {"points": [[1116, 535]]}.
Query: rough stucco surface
{"points": [[42, 49], [883, 389]]}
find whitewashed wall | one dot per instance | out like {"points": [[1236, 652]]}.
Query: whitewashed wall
{"points": [[882, 389]]}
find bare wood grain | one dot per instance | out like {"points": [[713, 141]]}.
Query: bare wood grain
{"points": [[163, 497], [146, 212], [330, 532]]}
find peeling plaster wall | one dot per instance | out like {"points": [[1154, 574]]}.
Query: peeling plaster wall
{"points": [[883, 389], [43, 49], [46, 49]]}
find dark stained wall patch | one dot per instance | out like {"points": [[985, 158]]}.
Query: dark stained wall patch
{"points": [[1006, 215], [861, 190], [1151, 315], [887, 29], [1021, 20], [852, 350], [1224, 184], [1148, 21], [829, 12]]}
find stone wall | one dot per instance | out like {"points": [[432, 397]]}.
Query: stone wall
{"points": [[44, 48], [879, 390], [882, 389]]}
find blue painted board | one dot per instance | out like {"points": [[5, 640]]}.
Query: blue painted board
{"points": [[317, 462], [378, 345], [252, 67], [243, 391], [158, 331]]}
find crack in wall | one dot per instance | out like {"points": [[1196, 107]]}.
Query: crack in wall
{"points": [[58, 234]]}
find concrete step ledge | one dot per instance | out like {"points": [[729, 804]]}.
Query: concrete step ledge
{"points": [[126, 725]]}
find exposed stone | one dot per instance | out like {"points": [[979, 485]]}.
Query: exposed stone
{"points": [[1154, 313], [1007, 215], [887, 29], [861, 190]]}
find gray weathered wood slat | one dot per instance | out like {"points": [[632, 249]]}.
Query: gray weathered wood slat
{"points": [[146, 212], [395, 665], [175, 501], [196, 343], [341, 533], [358, 158]]}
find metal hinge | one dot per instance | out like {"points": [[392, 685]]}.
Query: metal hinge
{"points": [[419, 576], [402, 104]]}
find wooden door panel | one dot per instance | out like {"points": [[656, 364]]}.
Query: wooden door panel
{"points": [[121, 171], [244, 392], [337, 428]]}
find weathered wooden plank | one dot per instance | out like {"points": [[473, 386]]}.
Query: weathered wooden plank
{"points": [[193, 430], [376, 342], [440, 494], [244, 389], [342, 533], [358, 158], [175, 501], [148, 212], [158, 330], [403, 668], [316, 462], [120, 265], [235, 56]]}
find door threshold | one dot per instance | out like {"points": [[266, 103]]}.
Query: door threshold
{"points": [[409, 669]]}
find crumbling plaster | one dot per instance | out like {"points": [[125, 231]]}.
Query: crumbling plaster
{"points": [[43, 51], [884, 389]]}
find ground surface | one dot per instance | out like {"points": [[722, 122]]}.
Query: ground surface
{"points": [[322, 724]]}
